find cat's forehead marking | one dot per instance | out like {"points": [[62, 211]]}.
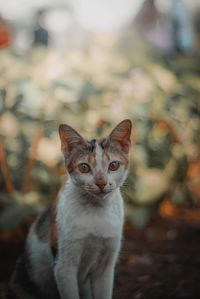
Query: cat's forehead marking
{"points": [[92, 145], [92, 151], [106, 154], [97, 152]]}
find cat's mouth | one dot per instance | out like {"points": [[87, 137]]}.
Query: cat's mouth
{"points": [[98, 193], [103, 192]]}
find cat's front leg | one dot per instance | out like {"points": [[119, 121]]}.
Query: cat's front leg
{"points": [[103, 284], [86, 290], [66, 279]]}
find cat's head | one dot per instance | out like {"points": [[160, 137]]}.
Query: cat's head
{"points": [[100, 165]]}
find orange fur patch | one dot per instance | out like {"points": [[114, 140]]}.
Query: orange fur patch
{"points": [[92, 157], [124, 160], [106, 154]]}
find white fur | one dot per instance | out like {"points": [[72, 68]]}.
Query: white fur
{"points": [[42, 263], [105, 221], [84, 233], [99, 157], [89, 241]]}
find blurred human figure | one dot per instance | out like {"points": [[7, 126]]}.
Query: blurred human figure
{"points": [[147, 16], [197, 25], [41, 34], [181, 28], [5, 34], [151, 26]]}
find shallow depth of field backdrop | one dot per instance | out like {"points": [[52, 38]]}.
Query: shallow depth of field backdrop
{"points": [[91, 64]]}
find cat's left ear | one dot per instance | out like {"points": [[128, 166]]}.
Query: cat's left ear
{"points": [[70, 139], [122, 135]]}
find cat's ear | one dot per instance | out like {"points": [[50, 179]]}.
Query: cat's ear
{"points": [[70, 139], [122, 134]]}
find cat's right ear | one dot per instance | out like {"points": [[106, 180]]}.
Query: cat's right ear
{"points": [[70, 139]]}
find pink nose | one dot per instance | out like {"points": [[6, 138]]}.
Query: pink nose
{"points": [[101, 184]]}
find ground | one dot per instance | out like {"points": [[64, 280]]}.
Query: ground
{"points": [[159, 262]]}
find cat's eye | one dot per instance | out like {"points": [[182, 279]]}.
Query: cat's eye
{"points": [[114, 165], [84, 167]]}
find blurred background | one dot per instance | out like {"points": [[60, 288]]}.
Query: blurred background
{"points": [[90, 64]]}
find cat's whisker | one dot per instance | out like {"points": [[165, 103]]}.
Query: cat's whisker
{"points": [[125, 184]]}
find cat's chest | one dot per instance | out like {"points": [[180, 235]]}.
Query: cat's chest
{"points": [[105, 223]]}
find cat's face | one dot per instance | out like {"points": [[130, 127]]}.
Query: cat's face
{"points": [[98, 166]]}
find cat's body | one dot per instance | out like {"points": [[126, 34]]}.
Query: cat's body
{"points": [[72, 248]]}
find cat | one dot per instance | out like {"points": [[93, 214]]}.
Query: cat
{"points": [[72, 247]]}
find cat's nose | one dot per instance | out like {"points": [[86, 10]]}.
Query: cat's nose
{"points": [[101, 184]]}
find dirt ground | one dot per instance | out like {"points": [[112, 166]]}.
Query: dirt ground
{"points": [[161, 261]]}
